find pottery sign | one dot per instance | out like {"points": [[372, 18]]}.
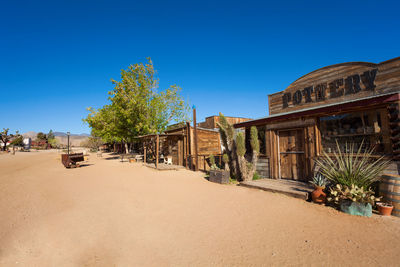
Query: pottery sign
{"points": [[349, 85]]}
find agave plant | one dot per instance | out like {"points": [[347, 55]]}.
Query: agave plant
{"points": [[353, 168], [319, 180]]}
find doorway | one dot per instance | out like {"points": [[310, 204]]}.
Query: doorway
{"points": [[291, 154]]}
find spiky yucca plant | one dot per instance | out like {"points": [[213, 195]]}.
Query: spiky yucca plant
{"points": [[355, 168]]}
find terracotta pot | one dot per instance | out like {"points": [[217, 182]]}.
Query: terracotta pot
{"points": [[384, 210], [318, 195]]}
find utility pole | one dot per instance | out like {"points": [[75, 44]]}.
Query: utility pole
{"points": [[68, 133]]}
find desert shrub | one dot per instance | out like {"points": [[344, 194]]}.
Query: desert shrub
{"points": [[256, 176], [353, 193]]}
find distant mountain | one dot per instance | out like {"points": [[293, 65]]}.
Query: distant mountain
{"points": [[32, 134], [75, 140]]}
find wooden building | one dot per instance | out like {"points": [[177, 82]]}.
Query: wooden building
{"points": [[179, 143], [351, 102], [211, 122]]}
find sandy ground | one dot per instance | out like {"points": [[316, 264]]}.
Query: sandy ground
{"points": [[110, 213]]}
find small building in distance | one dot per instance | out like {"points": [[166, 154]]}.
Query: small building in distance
{"points": [[211, 122], [27, 143], [178, 143]]}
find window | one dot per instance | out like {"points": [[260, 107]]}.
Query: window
{"points": [[358, 127]]}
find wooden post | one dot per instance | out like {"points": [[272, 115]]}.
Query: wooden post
{"points": [[180, 161], [157, 141], [188, 144], [144, 154], [186, 150], [196, 156]]}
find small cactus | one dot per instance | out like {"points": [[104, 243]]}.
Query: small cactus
{"points": [[225, 158], [213, 166]]}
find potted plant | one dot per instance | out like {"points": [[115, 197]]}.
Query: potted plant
{"points": [[352, 172], [353, 200], [216, 174], [319, 182], [385, 209]]}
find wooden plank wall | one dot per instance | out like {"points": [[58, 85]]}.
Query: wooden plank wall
{"points": [[262, 167], [208, 143], [211, 122], [387, 80]]}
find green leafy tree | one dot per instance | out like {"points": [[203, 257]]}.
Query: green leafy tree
{"points": [[50, 135], [103, 123], [18, 140], [93, 143], [51, 139], [137, 107], [53, 142], [41, 136], [5, 137]]}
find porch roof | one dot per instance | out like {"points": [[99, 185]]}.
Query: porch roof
{"points": [[161, 135], [335, 107]]}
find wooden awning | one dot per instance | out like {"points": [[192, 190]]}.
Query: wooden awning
{"points": [[161, 135], [332, 108]]}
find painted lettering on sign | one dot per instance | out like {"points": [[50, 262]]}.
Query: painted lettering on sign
{"points": [[352, 84]]}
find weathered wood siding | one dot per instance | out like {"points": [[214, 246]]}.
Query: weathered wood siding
{"points": [[208, 142], [337, 83], [211, 122], [262, 167]]}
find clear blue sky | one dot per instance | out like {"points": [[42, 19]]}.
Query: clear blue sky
{"points": [[57, 57]]}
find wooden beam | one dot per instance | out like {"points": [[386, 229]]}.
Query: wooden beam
{"points": [[188, 144], [196, 156], [144, 154], [330, 109], [185, 151], [157, 145], [180, 161]]}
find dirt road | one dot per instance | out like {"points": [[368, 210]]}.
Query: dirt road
{"points": [[120, 214]]}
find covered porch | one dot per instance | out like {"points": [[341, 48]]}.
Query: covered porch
{"points": [[165, 151]]}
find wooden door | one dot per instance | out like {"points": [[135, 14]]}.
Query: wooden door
{"points": [[291, 154]]}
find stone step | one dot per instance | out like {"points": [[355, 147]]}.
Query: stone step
{"points": [[290, 188]]}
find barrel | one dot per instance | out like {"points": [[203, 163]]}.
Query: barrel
{"points": [[390, 191]]}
